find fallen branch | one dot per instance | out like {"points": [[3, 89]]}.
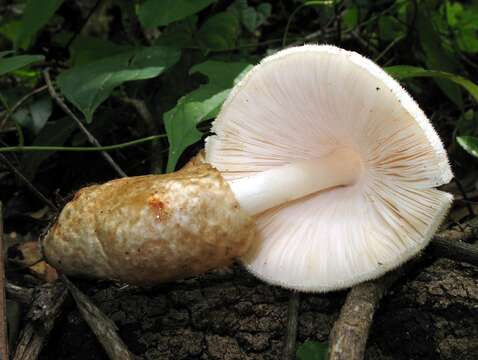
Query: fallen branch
{"points": [[46, 307], [33, 189], [18, 293], [291, 334], [3, 300], [100, 324], [349, 335], [20, 103], [89, 136]]}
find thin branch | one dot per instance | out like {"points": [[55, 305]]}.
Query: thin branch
{"points": [[79, 148], [454, 250], [28, 183], [148, 119], [19, 103], [46, 307], [349, 335], [19, 293], [3, 299], [291, 335], [100, 324], [90, 137]]}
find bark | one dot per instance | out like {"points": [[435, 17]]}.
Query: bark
{"points": [[428, 314]]}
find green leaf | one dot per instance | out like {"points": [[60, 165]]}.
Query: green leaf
{"points": [[87, 86], [251, 18], [312, 350], [53, 134], [219, 32], [179, 34], [16, 62], [86, 49], [36, 116], [154, 13], [390, 28], [400, 72], [436, 56], [469, 143], [35, 16], [199, 105], [10, 30]]}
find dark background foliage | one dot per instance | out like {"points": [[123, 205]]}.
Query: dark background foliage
{"points": [[155, 73]]}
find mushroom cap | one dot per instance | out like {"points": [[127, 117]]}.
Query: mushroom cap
{"points": [[302, 103]]}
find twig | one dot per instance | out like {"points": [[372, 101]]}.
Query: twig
{"points": [[88, 16], [454, 250], [3, 300], [19, 293], [90, 137], [349, 334], [79, 148], [20, 103], [100, 324], [291, 335], [46, 307], [28, 183], [148, 119]]}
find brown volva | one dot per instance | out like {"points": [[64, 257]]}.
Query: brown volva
{"points": [[150, 229]]}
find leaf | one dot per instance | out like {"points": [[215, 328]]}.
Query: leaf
{"points": [[86, 49], [251, 18], [16, 62], [312, 350], [436, 57], [53, 134], [36, 116], [88, 85], [35, 16], [199, 105], [469, 143], [179, 34], [219, 32], [400, 72], [154, 13]]}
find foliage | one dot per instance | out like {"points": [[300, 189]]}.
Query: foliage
{"points": [[146, 77], [312, 350], [180, 58]]}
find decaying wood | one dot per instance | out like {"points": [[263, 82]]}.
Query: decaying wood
{"points": [[3, 300], [48, 301], [350, 332], [101, 325]]}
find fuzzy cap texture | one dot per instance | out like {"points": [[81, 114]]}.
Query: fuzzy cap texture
{"points": [[302, 103]]}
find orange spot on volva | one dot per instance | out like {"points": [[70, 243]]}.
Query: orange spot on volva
{"points": [[157, 207]]}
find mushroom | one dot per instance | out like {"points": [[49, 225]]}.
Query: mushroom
{"points": [[336, 162], [322, 174]]}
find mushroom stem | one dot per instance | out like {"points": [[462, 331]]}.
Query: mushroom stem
{"points": [[286, 183]]}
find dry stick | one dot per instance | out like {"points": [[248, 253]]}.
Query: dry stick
{"points": [[46, 307], [291, 335], [143, 111], [20, 103], [28, 183], [348, 337], [19, 294], [3, 301], [100, 324], [90, 137]]}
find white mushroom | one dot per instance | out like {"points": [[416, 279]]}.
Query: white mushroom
{"points": [[338, 164]]}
